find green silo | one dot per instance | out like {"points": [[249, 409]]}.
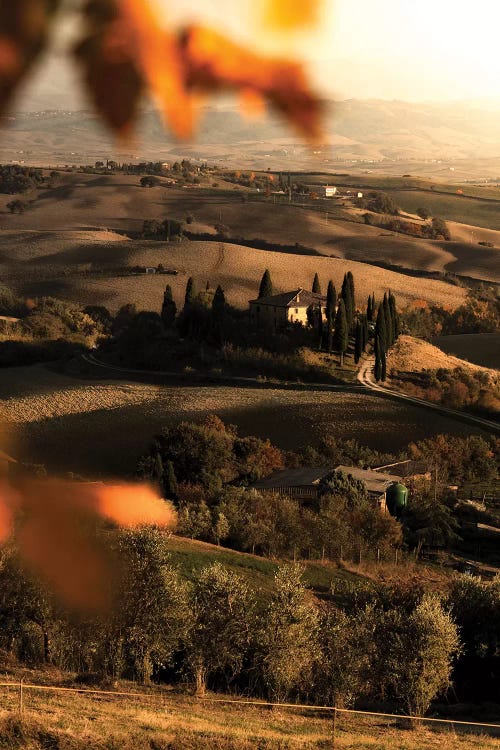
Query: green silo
{"points": [[397, 499]]}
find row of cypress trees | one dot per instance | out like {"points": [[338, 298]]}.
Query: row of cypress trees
{"points": [[387, 330], [191, 298]]}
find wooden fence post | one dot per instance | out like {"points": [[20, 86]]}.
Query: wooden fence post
{"points": [[21, 697]]}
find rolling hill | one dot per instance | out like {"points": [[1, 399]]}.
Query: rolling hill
{"points": [[82, 267]]}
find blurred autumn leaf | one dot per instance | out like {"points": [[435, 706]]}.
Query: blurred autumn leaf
{"points": [[126, 51], [291, 14], [50, 521]]}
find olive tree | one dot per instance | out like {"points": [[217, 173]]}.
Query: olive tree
{"points": [[417, 650], [222, 606], [288, 637]]}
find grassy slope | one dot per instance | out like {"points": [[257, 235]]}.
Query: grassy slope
{"points": [[79, 202], [161, 720], [39, 263]]}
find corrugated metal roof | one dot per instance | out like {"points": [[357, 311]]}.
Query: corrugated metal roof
{"points": [[374, 481], [302, 477]]}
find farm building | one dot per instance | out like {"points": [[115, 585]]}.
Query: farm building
{"points": [[301, 484], [281, 310], [376, 482], [330, 191], [304, 483]]}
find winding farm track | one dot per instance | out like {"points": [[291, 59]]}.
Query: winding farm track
{"points": [[366, 378], [366, 386]]}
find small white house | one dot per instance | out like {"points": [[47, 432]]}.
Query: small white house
{"points": [[330, 191]]}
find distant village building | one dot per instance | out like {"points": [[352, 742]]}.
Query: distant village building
{"points": [[330, 191], [151, 270], [285, 309]]}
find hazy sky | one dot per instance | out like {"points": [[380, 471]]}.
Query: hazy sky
{"points": [[414, 50], [405, 49]]}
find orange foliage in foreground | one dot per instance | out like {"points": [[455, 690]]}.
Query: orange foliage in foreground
{"points": [[126, 52], [54, 536]]}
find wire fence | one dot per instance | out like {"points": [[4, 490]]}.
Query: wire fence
{"points": [[19, 702]]}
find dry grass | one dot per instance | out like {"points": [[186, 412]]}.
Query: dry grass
{"points": [[88, 202], [45, 264], [161, 720]]}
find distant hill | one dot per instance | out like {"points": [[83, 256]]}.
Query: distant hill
{"points": [[356, 130]]}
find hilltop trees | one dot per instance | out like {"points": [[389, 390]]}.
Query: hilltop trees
{"points": [[266, 286]]}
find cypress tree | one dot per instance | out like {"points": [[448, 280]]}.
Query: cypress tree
{"points": [[380, 328], [388, 324], [383, 366], [170, 484], [350, 281], [370, 312], [358, 342], [378, 365], [331, 304], [316, 285], [341, 334], [218, 313], [190, 293], [394, 317], [345, 294], [169, 308], [266, 285]]}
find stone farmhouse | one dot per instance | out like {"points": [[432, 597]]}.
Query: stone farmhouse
{"points": [[282, 310]]}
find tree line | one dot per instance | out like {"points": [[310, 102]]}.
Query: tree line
{"points": [[396, 645]]}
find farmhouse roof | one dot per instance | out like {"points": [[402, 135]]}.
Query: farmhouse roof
{"points": [[375, 481], [296, 298], [303, 477]]}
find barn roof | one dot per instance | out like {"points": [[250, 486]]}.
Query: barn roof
{"points": [[302, 477], [375, 481]]}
